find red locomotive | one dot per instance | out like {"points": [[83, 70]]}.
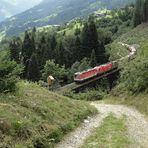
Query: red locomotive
{"points": [[90, 73]]}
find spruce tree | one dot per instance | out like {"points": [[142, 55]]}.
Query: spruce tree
{"points": [[42, 52], [93, 36], [93, 61], [145, 11], [33, 69], [60, 54], [14, 51], [76, 53], [28, 48], [52, 47], [85, 41], [101, 54], [138, 14], [53, 43]]}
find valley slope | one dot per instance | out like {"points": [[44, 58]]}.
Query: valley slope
{"points": [[56, 12]]}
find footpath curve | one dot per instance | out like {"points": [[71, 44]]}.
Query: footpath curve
{"points": [[137, 126]]}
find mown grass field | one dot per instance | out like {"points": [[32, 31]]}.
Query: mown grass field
{"points": [[35, 117], [111, 134]]}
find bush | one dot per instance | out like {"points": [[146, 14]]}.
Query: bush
{"points": [[51, 68], [9, 71], [89, 95], [134, 77]]}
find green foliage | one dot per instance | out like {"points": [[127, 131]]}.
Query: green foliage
{"points": [[57, 71], [134, 77], [93, 61], [139, 13], [89, 95], [33, 69], [9, 73], [112, 133], [84, 65], [35, 117], [146, 11], [15, 49]]}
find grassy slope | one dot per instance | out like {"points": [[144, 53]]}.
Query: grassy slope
{"points": [[139, 101], [138, 35], [112, 134], [37, 117]]}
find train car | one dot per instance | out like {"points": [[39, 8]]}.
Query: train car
{"points": [[82, 76], [85, 75]]}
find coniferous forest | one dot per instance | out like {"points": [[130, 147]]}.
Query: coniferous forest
{"points": [[72, 47]]}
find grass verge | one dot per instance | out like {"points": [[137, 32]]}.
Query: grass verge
{"points": [[140, 101], [35, 117], [112, 134]]}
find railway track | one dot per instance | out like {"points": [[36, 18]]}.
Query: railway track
{"points": [[80, 86]]}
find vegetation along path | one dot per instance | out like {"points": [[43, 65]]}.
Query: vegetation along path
{"points": [[136, 122]]}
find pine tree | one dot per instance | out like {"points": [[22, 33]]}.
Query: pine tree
{"points": [[42, 52], [93, 61], [53, 43], [28, 48], [145, 11], [60, 54], [138, 15], [15, 49], [85, 41], [93, 36], [101, 54], [33, 69], [76, 53]]}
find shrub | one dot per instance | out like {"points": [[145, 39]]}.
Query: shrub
{"points": [[88, 95], [9, 72], [134, 77], [51, 68]]}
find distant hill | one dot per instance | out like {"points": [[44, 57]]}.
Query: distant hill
{"points": [[9, 8], [6, 10], [56, 12]]}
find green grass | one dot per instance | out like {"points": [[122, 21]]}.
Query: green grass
{"points": [[140, 101], [138, 35], [111, 134], [35, 117]]}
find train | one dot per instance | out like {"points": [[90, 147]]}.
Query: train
{"points": [[80, 77]]}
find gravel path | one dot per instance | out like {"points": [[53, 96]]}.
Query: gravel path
{"points": [[136, 122]]}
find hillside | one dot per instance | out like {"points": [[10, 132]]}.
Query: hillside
{"points": [[138, 35], [136, 71], [51, 12], [35, 117], [9, 8]]}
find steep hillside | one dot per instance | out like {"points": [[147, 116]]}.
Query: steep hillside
{"points": [[138, 35], [35, 117], [56, 12], [133, 87]]}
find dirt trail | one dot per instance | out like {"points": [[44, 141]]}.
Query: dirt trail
{"points": [[136, 122]]}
